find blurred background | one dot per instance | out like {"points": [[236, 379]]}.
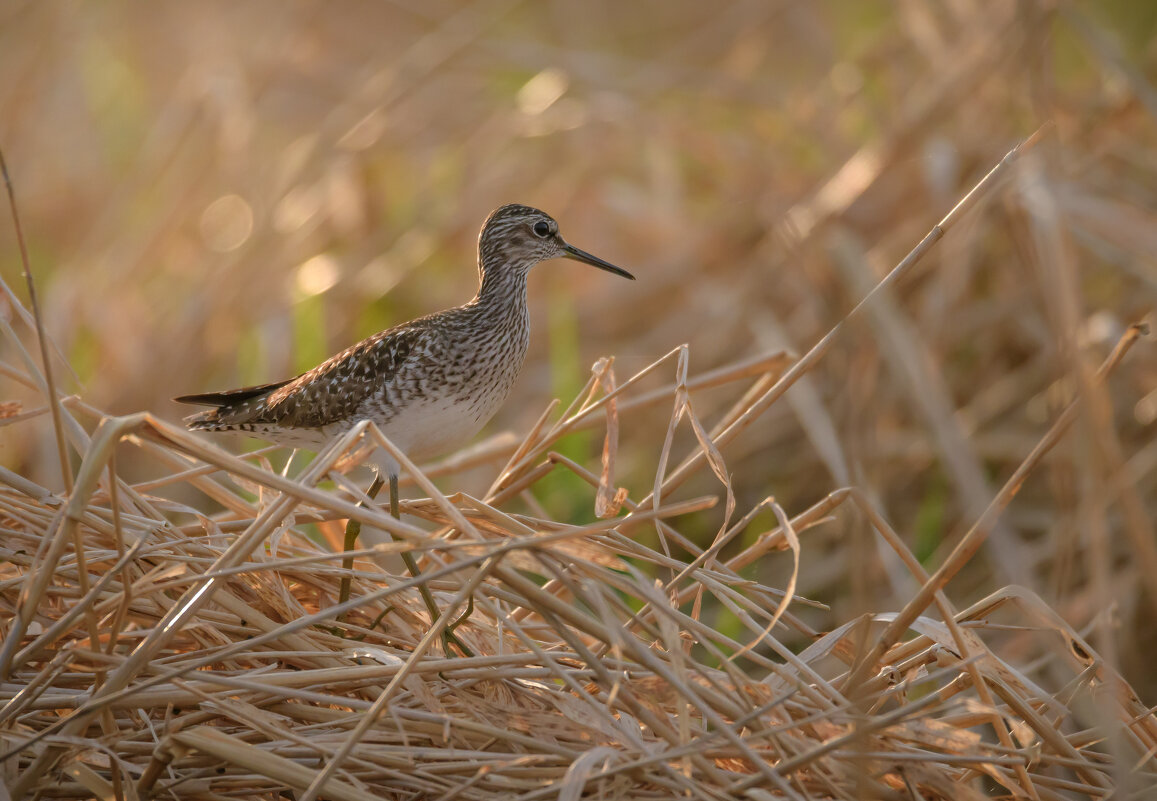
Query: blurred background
{"points": [[216, 194]]}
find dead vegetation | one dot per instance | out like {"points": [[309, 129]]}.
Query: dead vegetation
{"points": [[155, 649], [927, 571]]}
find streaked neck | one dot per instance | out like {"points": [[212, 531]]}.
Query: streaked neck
{"points": [[503, 285]]}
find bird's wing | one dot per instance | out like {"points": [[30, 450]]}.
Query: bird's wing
{"points": [[231, 397], [332, 391]]}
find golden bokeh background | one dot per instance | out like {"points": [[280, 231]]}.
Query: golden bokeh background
{"points": [[217, 194]]}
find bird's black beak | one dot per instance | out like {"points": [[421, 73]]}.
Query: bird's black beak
{"points": [[571, 252]]}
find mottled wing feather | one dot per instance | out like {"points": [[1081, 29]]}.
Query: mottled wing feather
{"points": [[331, 392], [334, 390]]}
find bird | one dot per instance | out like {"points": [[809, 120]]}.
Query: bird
{"points": [[429, 385]]}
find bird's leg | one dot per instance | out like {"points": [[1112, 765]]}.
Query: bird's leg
{"points": [[448, 636], [352, 529]]}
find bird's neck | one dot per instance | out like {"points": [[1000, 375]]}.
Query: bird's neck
{"points": [[502, 287], [501, 305]]}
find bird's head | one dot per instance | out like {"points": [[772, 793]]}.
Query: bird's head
{"points": [[515, 238]]}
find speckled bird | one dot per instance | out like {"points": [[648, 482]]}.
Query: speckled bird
{"points": [[430, 384]]}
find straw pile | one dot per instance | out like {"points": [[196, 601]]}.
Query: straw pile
{"points": [[156, 646]]}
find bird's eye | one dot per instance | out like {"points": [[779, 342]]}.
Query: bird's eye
{"points": [[541, 229]]}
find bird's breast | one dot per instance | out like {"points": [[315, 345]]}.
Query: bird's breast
{"points": [[427, 418]]}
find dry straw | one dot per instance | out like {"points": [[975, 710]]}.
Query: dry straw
{"points": [[152, 648]]}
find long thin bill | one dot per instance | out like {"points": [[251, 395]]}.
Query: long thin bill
{"points": [[571, 252]]}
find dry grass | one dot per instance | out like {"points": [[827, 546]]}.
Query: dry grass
{"points": [[158, 650], [217, 194]]}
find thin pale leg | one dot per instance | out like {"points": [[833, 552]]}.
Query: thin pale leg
{"points": [[407, 556], [354, 528]]}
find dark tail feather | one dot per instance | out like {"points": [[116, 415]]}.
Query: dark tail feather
{"points": [[231, 396]]}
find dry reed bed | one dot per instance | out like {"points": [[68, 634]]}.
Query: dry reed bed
{"points": [[153, 649]]}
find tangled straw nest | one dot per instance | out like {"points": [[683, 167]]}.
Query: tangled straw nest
{"points": [[152, 648]]}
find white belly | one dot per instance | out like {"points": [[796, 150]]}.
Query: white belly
{"points": [[436, 426]]}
